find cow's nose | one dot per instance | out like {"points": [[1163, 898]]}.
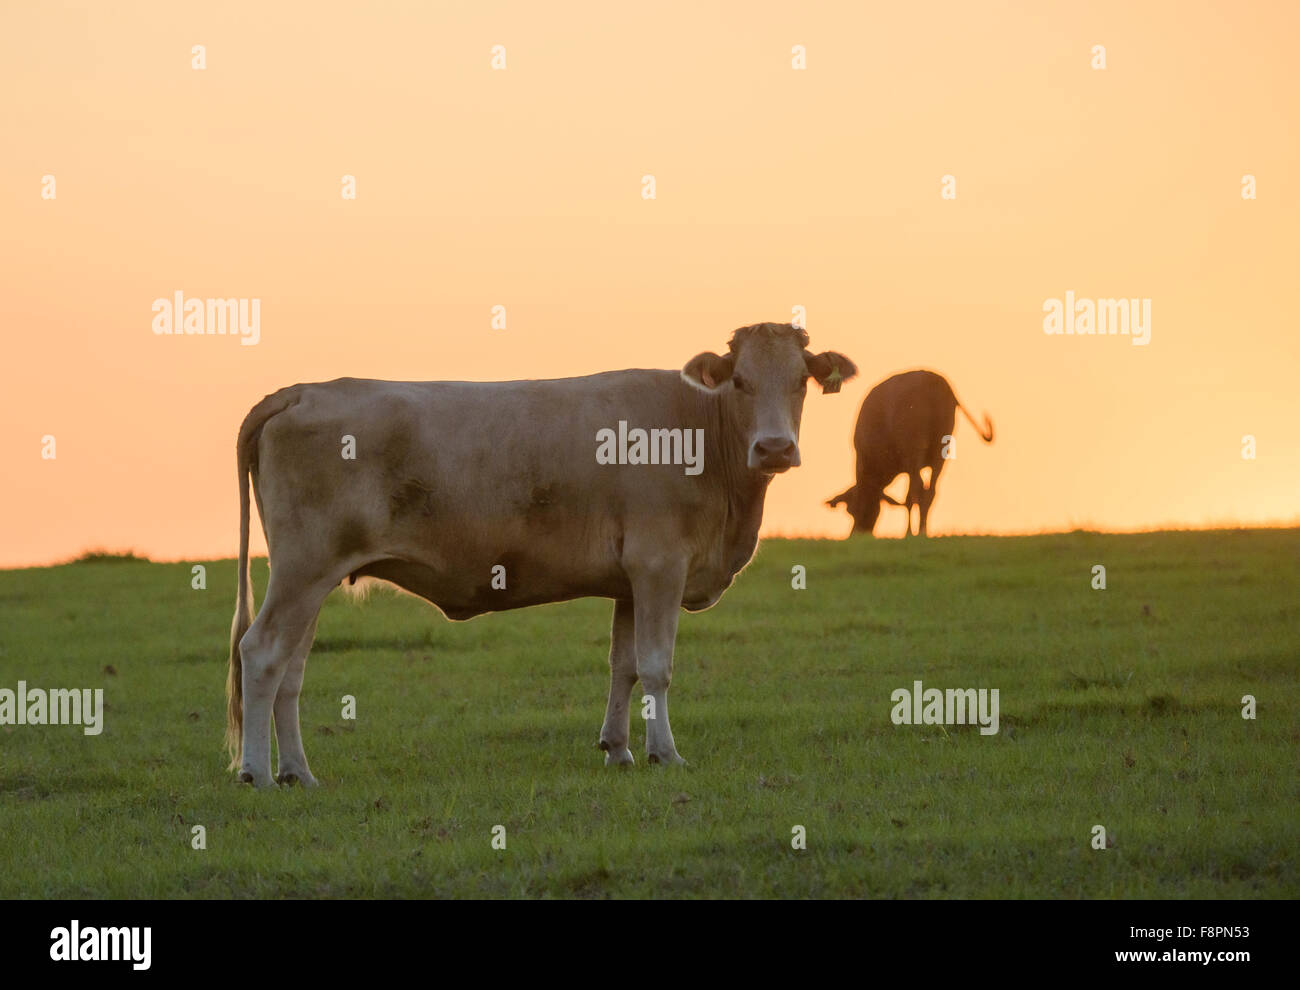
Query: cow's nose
{"points": [[776, 452]]}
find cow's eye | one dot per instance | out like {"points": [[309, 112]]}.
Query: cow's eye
{"points": [[802, 386], [742, 385]]}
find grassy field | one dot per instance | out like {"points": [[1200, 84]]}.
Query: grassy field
{"points": [[1119, 708]]}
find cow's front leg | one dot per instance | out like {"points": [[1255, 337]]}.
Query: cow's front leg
{"points": [[657, 596], [622, 678]]}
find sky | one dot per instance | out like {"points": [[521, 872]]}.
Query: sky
{"points": [[778, 190]]}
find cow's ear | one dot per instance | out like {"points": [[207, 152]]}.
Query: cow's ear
{"points": [[708, 371], [831, 369], [845, 498]]}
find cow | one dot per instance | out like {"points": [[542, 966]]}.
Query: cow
{"points": [[904, 425], [487, 496]]}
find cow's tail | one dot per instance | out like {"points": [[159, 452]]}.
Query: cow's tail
{"points": [[986, 434], [245, 463]]}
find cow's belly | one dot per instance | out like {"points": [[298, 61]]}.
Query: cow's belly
{"points": [[470, 586], [469, 564], [464, 588]]}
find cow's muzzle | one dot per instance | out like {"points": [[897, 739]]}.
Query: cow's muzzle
{"points": [[774, 454]]}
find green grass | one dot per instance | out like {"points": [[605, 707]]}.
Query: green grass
{"points": [[1118, 707]]}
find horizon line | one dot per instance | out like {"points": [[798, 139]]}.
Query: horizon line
{"points": [[130, 554]]}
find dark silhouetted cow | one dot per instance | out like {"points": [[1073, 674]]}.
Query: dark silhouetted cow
{"points": [[901, 429]]}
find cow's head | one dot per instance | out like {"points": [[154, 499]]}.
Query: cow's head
{"points": [[763, 378], [864, 507]]}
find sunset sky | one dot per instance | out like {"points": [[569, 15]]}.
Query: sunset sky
{"points": [[776, 187]]}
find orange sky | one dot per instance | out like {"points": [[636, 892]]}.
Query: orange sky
{"points": [[775, 188]]}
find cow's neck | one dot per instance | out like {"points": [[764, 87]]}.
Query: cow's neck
{"points": [[745, 489]]}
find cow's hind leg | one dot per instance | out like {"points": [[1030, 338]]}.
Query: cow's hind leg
{"points": [[622, 678], [288, 733], [927, 496], [657, 598], [267, 649], [915, 492]]}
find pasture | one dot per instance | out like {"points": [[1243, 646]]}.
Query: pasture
{"points": [[1119, 708]]}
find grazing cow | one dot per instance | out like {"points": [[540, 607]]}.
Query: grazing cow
{"points": [[901, 429], [481, 497]]}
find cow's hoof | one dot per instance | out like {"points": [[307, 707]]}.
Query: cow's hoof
{"points": [[669, 759], [617, 756], [247, 776], [289, 778]]}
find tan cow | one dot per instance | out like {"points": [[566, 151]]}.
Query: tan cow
{"points": [[481, 497]]}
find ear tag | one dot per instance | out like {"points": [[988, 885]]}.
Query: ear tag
{"points": [[833, 382]]}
